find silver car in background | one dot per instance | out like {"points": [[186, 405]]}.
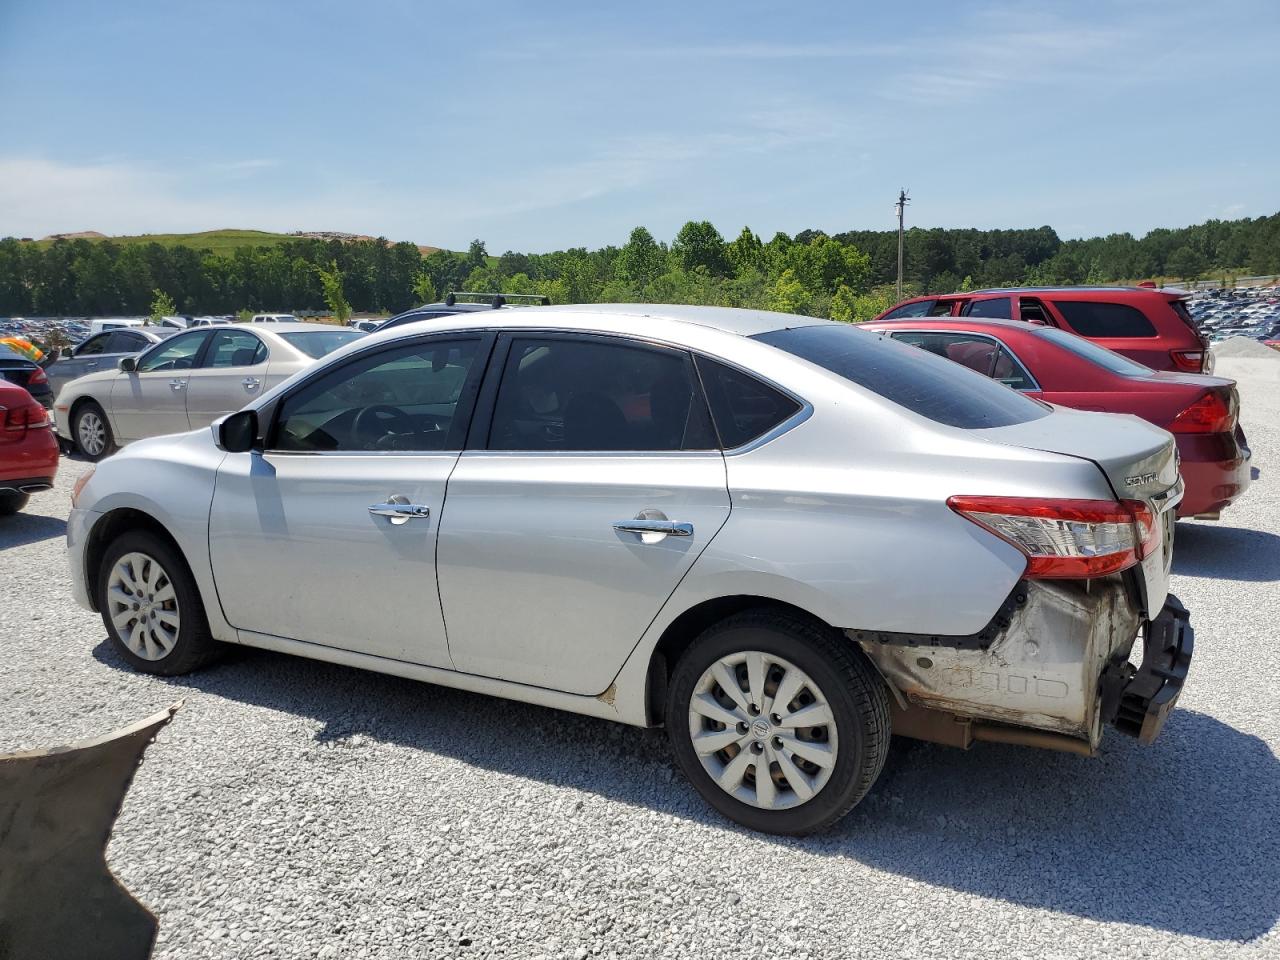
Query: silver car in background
{"points": [[782, 538], [101, 351], [187, 380]]}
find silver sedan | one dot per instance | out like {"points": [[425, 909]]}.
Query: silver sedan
{"points": [[782, 538], [186, 381]]}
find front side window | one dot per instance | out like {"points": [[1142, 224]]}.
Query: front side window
{"points": [[94, 346], [406, 399], [1105, 319], [177, 353], [922, 383], [744, 408], [561, 394], [234, 348]]}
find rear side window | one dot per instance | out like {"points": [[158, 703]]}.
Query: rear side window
{"points": [[1105, 319], [998, 308], [597, 394], [925, 384], [743, 407]]}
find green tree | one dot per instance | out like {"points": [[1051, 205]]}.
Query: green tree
{"points": [[423, 289], [699, 244], [1185, 264], [787, 294], [161, 305], [746, 252], [331, 283], [641, 259]]}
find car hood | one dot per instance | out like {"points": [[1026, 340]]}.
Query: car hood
{"points": [[86, 383]]}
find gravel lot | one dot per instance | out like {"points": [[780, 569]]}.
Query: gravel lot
{"points": [[297, 809]]}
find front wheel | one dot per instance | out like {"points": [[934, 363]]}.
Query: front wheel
{"points": [[151, 606], [780, 723]]}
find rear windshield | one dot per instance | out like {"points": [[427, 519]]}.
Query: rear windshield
{"points": [[319, 342], [1087, 349], [925, 384]]}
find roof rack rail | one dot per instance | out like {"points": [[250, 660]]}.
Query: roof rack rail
{"points": [[496, 299]]}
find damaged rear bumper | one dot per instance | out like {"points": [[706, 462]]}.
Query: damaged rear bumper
{"points": [[1051, 669]]}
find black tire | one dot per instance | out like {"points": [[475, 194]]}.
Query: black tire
{"points": [[192, 646], [11, 503], [853, 690], [85, 409]]}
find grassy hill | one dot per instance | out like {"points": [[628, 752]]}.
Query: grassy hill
{"points": [[218, 241]]}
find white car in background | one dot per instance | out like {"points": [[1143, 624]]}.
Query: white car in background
{"points": [[274, 318], [187, 381]]}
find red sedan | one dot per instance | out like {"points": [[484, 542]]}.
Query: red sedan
{"points": [[1200, 411], [28, 448]]}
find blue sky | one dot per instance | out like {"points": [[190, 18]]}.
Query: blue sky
{"points": [[541, 126]]}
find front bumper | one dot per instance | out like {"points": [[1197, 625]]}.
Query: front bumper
{"points": [[1138, 700], [79, 524]]}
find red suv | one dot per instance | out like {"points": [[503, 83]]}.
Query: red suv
{"points": [[1147, 325], [28, 448]]}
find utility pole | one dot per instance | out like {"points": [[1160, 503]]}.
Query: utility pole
{"points": [[901, 208]]}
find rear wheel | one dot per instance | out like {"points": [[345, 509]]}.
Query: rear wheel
{"points": [[11, 503], [91, 431], [780, 723], [151, 606]]}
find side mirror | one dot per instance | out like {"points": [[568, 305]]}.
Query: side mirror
{"points": [[236, 432], [128, 364]]}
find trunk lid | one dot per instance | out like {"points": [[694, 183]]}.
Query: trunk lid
{"points": [[1139, 460]]}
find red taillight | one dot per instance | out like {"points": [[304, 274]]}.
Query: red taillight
{"points": [[38, 376], [1212, 413], [1189, 360], [1067, 539], [23, 418]]}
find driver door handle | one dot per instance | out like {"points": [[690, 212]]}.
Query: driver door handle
{"points": [[251, 383], [176, 385], [399, 510]]}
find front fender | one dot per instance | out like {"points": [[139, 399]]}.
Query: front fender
{"points": [[171, 480]]}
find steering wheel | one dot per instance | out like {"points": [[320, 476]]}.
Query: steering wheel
{"points": [[382, 418]]}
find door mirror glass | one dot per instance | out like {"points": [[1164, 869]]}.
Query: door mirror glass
{"points": [[128, 364], [236, 432]]}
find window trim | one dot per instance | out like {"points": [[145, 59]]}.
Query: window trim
{"points": [[479, 436], [1000, 344], [269, 412]]}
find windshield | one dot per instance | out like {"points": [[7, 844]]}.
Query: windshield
{"points": [[316, 343], [925, 384], [1088, 350]]}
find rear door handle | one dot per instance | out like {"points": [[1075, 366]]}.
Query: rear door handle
{"points": [[251, 383], [399, 510], [176, 385], [663, 528], [91, 363]]}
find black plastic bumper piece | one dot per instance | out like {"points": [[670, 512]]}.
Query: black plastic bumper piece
{"points": [[1138, 701]]}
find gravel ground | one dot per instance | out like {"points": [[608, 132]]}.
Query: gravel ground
{"points": [[298, 809]]}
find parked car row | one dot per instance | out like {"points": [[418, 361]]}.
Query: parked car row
{"points": [[781, 538], [1238, 313]]}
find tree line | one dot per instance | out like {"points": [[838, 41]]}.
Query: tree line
{"points": [[846, 276]]}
